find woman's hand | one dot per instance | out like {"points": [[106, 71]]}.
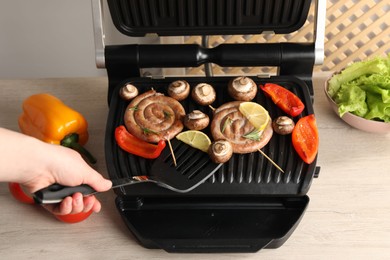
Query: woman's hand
{"points": [[36, 165]]}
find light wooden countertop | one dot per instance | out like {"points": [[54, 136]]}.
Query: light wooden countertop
{"points": [[348, 215]]}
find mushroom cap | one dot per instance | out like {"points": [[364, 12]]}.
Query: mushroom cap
{"points": [[128, 92], [220, 151], [204, 94], [283, 125], [196, 120], [242, 88], [179, 90]]}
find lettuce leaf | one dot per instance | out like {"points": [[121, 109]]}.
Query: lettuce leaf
{"points": [[351, 98], [355, 70], [376, 83], [363, 89], [378, 110]]}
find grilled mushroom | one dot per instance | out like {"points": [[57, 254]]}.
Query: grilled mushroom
{"points": [[128, 92], [283, 125], [204, 94], [220, 151], [196, 120], [242, 88], [179, 90]]}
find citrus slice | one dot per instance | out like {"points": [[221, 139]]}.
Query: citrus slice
{"points": [[196, 139], [256, 114]]}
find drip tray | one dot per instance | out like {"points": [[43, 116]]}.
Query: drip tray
{"points": [[205, 225]]}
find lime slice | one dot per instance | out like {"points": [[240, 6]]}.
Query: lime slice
{"points": [[196, 139], [256, 114]]}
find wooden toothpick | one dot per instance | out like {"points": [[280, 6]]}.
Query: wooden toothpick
{"points": [[269, 159], [173, 154]]}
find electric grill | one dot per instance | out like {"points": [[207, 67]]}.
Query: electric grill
{"points": [[247, 204]]}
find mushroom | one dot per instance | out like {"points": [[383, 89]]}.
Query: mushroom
{"points": [[242, 88], [179, 90], [196, 120], [283, 125], [128, 92], [220, 151], [204, 94]]}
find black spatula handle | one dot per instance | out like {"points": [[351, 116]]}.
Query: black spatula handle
{"points": [[55, 193]]}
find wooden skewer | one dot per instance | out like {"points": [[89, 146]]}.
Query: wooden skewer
{"points": [[211, 107], [173, 154], [269, 159]]}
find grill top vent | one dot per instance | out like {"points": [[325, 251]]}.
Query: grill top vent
{"points": [[207, 17]]}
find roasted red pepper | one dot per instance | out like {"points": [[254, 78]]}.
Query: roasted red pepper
{"points": [[284, 99], [136, 146], [305, 138]]}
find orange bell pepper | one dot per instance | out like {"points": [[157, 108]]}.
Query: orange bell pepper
{"points": [[47, 118], [305, 138]]}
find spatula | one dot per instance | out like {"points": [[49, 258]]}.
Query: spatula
{"points": [[193, 167]]}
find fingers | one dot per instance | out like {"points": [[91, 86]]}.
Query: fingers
{"points": [[75, 204]]}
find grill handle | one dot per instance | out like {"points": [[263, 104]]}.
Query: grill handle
{"points": [[125, 61], [193, 55]]}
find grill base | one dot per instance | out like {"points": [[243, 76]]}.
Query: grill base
{"points": [[245, 206]]}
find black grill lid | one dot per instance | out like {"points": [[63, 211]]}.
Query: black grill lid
{"points": [[207, 17]]}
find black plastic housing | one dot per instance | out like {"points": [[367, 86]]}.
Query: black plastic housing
{"points": [[247, 204]]}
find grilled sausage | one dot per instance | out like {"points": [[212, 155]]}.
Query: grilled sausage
{"points": [[228, 123], [152, 117]]}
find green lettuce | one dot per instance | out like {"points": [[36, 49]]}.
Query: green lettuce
{"points": [[351, 98], [378, 109], [363, 88], [355, 70], [376, 83]]}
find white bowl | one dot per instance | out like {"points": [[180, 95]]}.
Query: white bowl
{"points": [[357, 121]]}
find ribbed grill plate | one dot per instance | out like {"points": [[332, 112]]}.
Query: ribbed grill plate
{"points": [[245, 173], [207, 17]]}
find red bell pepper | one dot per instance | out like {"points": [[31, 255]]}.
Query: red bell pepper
{"points": [[305, 138], [136, 146], [19, 194], [284, 99]]}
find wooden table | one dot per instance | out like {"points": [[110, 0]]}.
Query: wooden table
{"points": [[348, 215]]}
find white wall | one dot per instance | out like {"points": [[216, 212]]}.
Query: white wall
{"points": [[50, 38]]}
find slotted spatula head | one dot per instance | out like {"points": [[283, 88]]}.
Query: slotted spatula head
{"points": [[193, 167]]}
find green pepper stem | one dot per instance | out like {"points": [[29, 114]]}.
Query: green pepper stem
{"points": [[71, 141]]}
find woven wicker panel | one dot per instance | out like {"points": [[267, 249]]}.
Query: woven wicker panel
{"points": [[355, 30]]}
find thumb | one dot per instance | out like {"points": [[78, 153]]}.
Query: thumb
{"points": [[97, 181]]}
